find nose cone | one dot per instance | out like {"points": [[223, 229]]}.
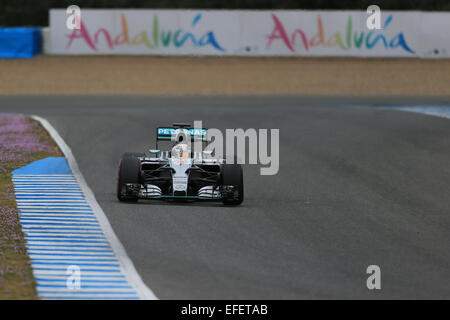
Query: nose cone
{"points": [[180, 177]]}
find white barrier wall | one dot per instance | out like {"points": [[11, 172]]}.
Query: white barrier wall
{"points": [[253, 33], [435, 35], [45, 33]]}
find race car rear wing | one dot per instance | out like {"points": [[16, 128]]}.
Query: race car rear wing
{"points": [[180, 131]]}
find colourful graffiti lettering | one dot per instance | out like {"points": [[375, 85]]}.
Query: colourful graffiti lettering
{"points": [[298, 35], [153, 40]]}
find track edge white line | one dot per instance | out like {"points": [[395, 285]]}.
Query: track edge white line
{"points": [[127, 265]]}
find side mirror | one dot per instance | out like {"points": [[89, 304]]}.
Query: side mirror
{"points": [[154, 152]]}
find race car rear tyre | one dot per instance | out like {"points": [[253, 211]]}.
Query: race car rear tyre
{"points": [[129, 172], [232, 176]]}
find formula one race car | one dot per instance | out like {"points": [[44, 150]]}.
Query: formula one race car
{"points": [[180, 173]]}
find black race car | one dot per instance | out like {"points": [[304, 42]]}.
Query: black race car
{"points": [[179, 173]]}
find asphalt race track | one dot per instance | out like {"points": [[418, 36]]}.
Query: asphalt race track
{"points": [[356, 187]]}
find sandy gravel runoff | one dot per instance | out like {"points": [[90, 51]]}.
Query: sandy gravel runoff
{"points": [[225, 76]]}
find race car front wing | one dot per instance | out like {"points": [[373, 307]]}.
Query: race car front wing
{"points": [[205, 193]]}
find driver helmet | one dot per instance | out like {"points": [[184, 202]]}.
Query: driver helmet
{"points": [[180, 151]]}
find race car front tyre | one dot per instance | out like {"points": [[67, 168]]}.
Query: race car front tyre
{"points": [[232, 176], [129, 172]]}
